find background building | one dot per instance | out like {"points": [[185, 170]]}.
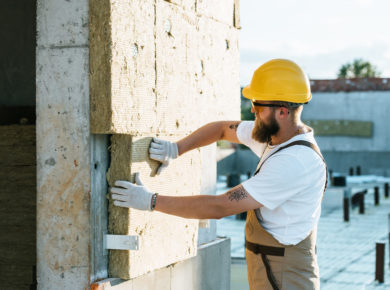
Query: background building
{"points": [[349, 117]]}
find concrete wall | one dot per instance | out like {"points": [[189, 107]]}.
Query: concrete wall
{"points": [[342, 152], [63, 145]]}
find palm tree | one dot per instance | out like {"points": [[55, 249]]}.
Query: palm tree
{"points": [[358, 69]]}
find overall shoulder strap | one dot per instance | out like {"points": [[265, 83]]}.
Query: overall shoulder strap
{"points": [[303, 143]]}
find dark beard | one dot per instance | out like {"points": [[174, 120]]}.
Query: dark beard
{"points": [[263, 132]]}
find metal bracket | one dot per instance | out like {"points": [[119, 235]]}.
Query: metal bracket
{"points": [[120, 242]]}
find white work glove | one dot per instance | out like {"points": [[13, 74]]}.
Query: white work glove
{"points": [[127, 194], [162, 151]]}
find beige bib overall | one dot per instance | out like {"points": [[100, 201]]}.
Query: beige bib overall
{"points": [[272, 265]]}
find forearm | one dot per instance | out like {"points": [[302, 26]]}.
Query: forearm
{"points": [[234, 201], [209, 134], [203, 136], [193, 207]]}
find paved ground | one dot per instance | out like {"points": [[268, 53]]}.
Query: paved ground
{"points": [[346, 250]]}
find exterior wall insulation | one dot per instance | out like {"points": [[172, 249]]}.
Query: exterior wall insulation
{"points": [[17, 206], [156, 66], [163, 239], [160, 58]]}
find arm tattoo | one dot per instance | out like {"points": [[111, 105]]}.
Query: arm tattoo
{"points": [[237, 193], [233, 126]]}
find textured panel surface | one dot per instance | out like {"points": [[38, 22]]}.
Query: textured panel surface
{"points": [[222, 11], [17, 206], [176, 74], [164, 239], [218, 48], [100, 66], [189, 5], [122, 66], [197, 70], [160, 67]]}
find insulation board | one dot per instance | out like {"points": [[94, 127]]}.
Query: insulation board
{"points": [[163, 239]]}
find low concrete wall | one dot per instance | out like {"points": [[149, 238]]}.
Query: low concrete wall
{"points": [[377, 163], [210, 269]]}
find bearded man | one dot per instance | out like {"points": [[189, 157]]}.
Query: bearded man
{"points": [[283, 198]]}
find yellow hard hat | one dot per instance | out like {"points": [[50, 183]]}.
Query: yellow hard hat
{"points": [[279, 80]]}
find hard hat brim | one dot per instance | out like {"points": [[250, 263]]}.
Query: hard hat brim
{"points": [[248, 93]]}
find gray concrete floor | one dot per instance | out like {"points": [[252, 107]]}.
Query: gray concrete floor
{"points": [[346, 250]]}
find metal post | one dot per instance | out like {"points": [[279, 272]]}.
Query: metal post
{"points": [[331, 177], [386, 190], [232, 180], [388, 223], [346, 205], [358, 170], [380, 262], [376, 195], [361, 202], [351, 171]]}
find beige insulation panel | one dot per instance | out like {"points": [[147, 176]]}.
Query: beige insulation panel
{"points": [[160, 67], [122, 64], [218, 49], [221, 11], [18, 193], [197, 70], [163, 239], [189, 5]]}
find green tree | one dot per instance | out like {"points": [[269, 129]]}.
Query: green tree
{"points": [[246, 113], [359, 68]]}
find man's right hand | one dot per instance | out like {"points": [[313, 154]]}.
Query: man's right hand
{"points": [[162, 151]]}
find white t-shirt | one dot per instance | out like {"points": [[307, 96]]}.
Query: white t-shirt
{"points": [[289, 185]]}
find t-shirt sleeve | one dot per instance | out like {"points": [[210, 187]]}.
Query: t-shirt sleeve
{"points": [[244, 135], [281, 177]]}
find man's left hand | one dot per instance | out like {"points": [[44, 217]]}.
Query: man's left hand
{"points": [[127, 194]]}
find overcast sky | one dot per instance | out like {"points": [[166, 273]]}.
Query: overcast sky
{"points": [[320, 35]]}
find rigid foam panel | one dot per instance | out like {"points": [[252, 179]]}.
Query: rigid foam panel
{"points": [[122, 62], [163, 239]]}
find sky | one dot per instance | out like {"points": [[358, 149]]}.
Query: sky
{"points": [[319, 35]]}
